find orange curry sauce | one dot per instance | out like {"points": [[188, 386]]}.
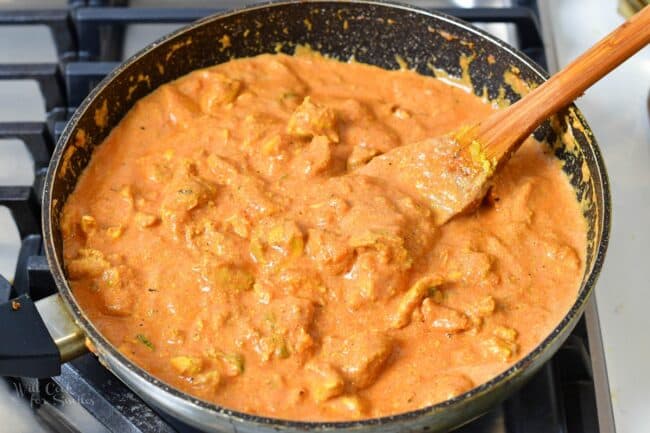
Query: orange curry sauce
{"points": [[222, 239]]}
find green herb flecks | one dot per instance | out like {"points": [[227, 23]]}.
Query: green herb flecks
{"points": [[144, 340]]}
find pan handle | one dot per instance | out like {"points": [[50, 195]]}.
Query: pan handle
{"points": [[36, 337]]}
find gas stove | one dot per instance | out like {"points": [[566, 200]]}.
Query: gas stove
{"points": [[80, 41]]}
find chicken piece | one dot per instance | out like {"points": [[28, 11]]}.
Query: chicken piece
{"points": [[172, 335], [483, 308], [115, 232], [89, 263], [325, 382], [187, 365], [444, 318], [272, 146], [310, 120], [292, 314], [360, 357], [144, 220], [471, 267], [263, 133], [294, 319], [413, 298], [187, 192], [233, 364], [88, 224], [175, 108], [329, 251], [503, 343], [390, 246], [371, 279], [272, 238], [126, 194], [184, 193], [258, 202], [115, 291], [239, 225], [229, 278], [360, 155], [216, 91], [329, 211], [283, 329], [379, 269], [271, 347], [560, 253], [156, 169], [225, 172], [216, 247], [451, 386], [209, 381], [505, 333], [290, 279], [315, 158]]}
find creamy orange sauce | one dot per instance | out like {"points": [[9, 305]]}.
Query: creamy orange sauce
{"points": [[225, 238]]}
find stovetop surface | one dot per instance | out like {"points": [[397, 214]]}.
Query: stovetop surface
{"points": [[72, 54]]}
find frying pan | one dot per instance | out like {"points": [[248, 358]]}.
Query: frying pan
{"points": [[55, 329]]}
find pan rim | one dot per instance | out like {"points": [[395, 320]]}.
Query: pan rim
{"points": [[106, 348]]}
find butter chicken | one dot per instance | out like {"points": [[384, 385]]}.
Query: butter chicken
{"points": [[226, 238]]}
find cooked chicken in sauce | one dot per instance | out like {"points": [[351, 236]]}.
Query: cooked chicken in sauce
{"points": [[226, 238]]}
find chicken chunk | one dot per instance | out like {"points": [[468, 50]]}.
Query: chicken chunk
{"points": [[502, 344], [208, 381], [224, 171], [186, 365], [325, 382], [173, 107], [284, 329], [116, 292], [230, 278], [273, 238], [88, 264], [217, 90], [88, 224], [310, 120], [471, 267], [560, 253], [444, 318], [360, 155], [329, 251], [360, 357], [413, 298], [184, 193], [371, 279], [144, 220], [315, 158]]}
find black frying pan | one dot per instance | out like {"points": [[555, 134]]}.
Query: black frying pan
{"points": [[376, 33]]}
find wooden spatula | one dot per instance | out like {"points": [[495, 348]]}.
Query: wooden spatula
{"points": [[452, 173]]}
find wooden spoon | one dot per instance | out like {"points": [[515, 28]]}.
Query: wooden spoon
{"points": [[452, 173]]}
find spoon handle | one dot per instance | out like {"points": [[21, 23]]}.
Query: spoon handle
{"points": [[503, 132]]}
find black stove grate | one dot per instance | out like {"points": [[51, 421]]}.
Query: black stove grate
{"points": [[88, 36]]}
